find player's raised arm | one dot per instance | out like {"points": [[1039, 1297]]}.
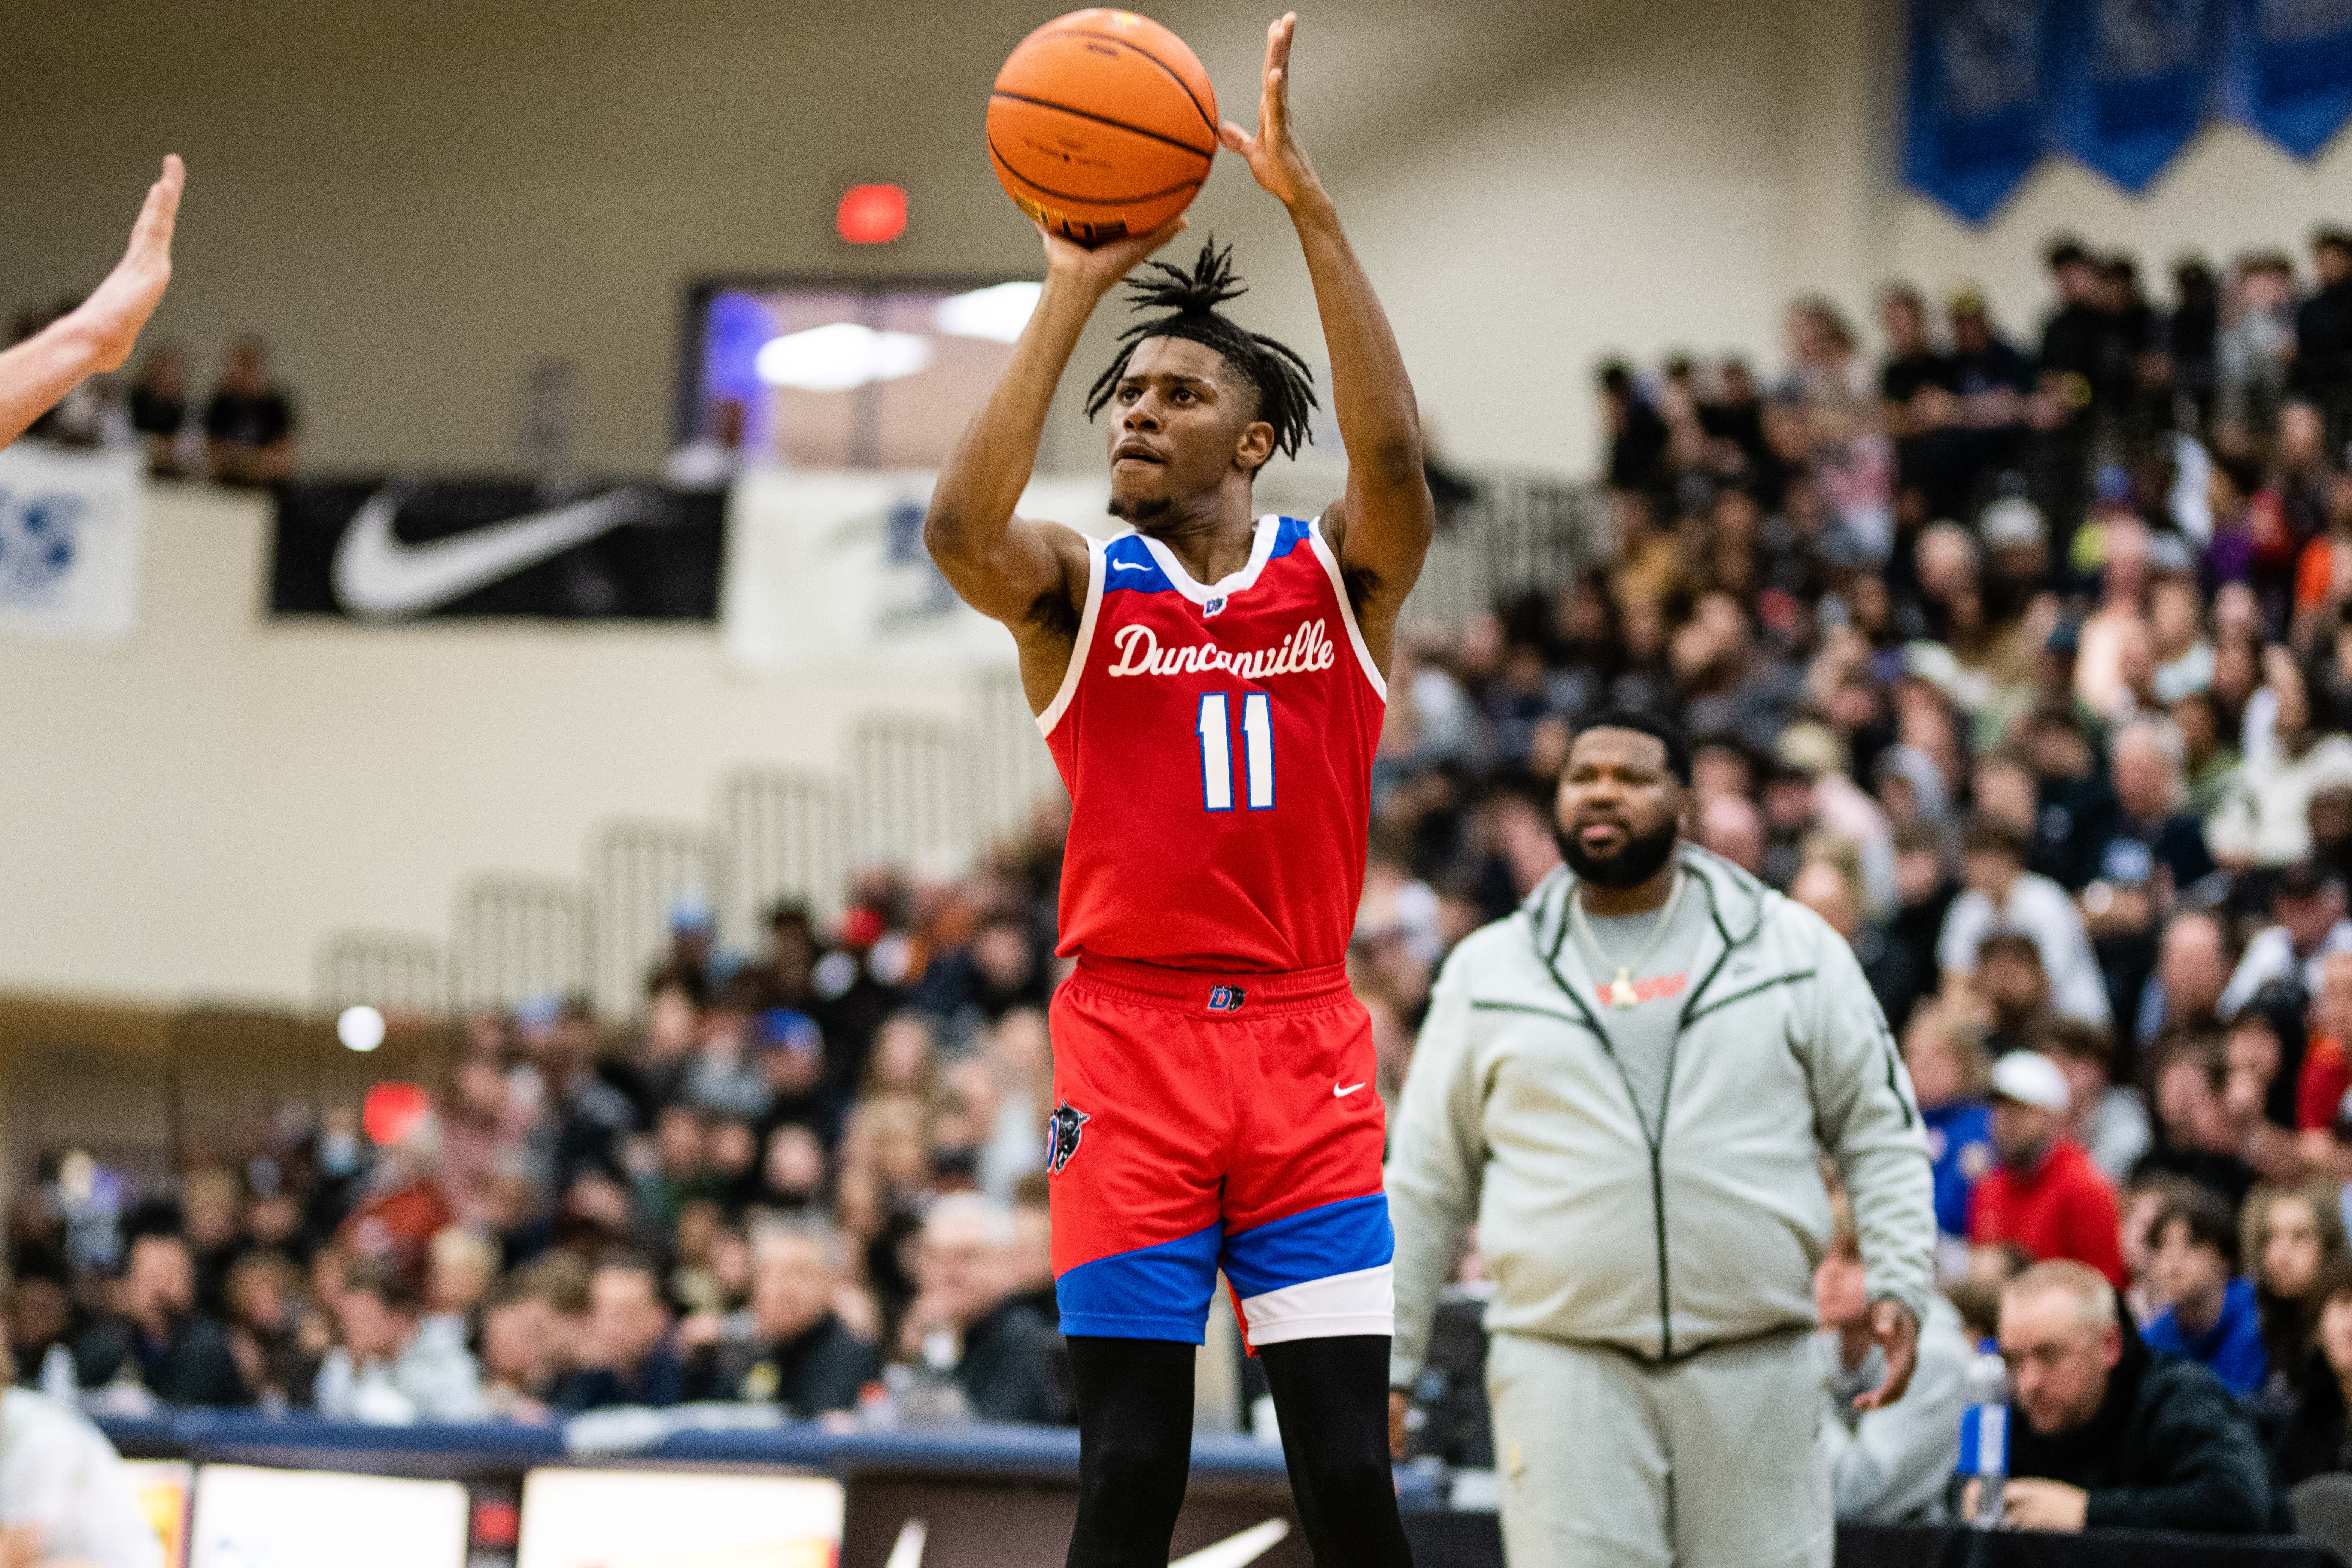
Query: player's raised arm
{"points": [[1385, 520], [1006, 567], [98, 334]]}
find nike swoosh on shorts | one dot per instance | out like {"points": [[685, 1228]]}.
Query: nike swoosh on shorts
{"points": [[376, 574]]}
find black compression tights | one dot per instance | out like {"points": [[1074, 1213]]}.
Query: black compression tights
{"points": [[1135, 1446]]}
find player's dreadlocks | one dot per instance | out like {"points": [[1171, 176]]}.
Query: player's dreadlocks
{"points": [[1285, 387]]}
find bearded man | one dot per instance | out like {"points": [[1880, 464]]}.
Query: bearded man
{"points": [[1629, 1086]]}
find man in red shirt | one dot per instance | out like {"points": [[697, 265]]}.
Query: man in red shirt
{"points": [[2045, 1195]]}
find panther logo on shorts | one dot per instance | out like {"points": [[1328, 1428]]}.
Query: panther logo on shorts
{"points": [[1062, 1134]]}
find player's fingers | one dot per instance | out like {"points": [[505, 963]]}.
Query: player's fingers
{"points": [[1237, 139]]}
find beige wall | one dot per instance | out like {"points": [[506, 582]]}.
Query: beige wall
{"points": [[188, 814]]}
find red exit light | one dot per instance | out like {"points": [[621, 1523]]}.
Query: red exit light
{"points": [[871, 215]]}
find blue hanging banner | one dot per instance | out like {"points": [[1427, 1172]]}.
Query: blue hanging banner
{"points": [[2130, 81], [1975, 119], [2289, 71]]}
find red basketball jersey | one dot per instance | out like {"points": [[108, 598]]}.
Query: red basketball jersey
{"points": [[1217, 743]]}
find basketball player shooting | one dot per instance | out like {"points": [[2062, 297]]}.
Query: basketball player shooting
{"points": [[1211, 686], [96, 335]]}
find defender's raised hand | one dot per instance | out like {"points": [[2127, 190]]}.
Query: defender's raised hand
{"points": [[1274, 154], [119, 307]]}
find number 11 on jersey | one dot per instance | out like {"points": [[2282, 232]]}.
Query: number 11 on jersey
{"points": [[1217, 751]]}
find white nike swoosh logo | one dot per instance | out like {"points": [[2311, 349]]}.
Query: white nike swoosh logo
{"points": [[376, 574], [1130, 566], [1232, 1551], [1339, 1093]]}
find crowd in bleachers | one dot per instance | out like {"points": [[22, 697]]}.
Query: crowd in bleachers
{"points": [[242, 434], [2025, 665]]}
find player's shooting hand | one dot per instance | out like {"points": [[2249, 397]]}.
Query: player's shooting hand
{"points": [[1898, 1333], [111, 317], [1274, 154], [1099, 267]]}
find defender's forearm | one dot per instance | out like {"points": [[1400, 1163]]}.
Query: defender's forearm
{"points": [[41, 370]]}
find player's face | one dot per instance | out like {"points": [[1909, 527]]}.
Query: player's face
{"points": [[1620, 807], [1182, 423]]}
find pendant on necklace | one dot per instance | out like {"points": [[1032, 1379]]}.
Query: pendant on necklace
{"points": [[1620, 990]]}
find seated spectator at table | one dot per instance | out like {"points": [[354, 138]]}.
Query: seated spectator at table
{"points": [[527, 1319], [155, 1338], [269, 1331], [1949, 1076], [2308, 924], [1887, 1466], [2294, 1238], [2107, 1119], [795, 1351], [2209, 1315], [159, 413], [964, 1322], [2043, 1193], [249, 423], [627, 1355], [383, 1371], [66, 1500], [2317, 1437], [2003, 894], [2112, 1437]]}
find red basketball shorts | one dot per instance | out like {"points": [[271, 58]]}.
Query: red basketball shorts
{"points": [[1208, 1121]]}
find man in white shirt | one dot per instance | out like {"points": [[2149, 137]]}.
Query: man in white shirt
{"points": [[2308, 908], [65, 1498], [2003, 894]]}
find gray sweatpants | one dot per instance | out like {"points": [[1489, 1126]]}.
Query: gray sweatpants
{"points": [[1714, 1462]]}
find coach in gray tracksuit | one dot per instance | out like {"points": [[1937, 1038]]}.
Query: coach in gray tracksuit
{"points": [[1628, 1086]]}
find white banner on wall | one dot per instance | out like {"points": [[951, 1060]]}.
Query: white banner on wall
{"points": [[828, 565], [69, 532]]}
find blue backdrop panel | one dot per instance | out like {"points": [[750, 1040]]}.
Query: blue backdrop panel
{"points": [[2130, 81], [1976, 118], [2289, 71]]}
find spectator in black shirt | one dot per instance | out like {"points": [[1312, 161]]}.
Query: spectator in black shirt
{"points": [[1637, 436], [2315, 1440], [2073, 338], [2112, 1438], [1912, 362], [631, 1354], [966, 1320], [157, 1338], [2322, 371], [249, 423], [159, 411], [2191, 336], [799, 1354]]}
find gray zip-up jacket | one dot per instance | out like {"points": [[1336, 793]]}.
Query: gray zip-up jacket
{"points": [[1517, 1116]]}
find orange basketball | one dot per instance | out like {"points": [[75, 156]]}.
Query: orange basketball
{"points": [[1102, 124]]}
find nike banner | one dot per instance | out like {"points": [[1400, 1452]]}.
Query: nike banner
{"points": [[830, 564], [394, 549], [69, 534]]}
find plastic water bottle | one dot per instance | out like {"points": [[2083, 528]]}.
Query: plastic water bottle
{"points": [[1984, 1438]]}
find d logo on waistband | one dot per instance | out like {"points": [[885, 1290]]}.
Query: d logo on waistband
{"points": [[1227, 999]]}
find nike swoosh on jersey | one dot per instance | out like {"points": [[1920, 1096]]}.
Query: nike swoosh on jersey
{"points": [[376, 574], [1339, 1093], [1127, 566]]}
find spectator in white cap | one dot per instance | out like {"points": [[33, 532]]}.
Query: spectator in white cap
{"points": [[2045, 1194]]}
